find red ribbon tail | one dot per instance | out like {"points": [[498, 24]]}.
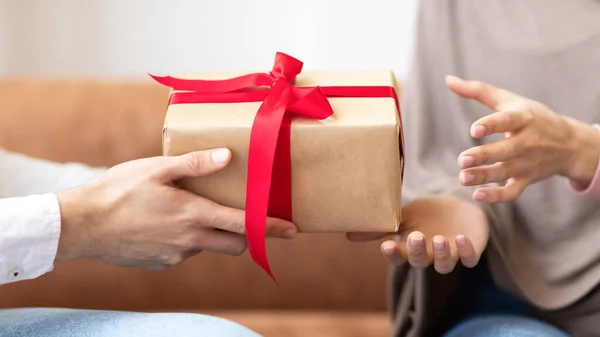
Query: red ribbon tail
{"points": [[215, 86], [280, 198], [264, 139]]}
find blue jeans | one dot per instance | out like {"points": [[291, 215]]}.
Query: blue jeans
{"points": [[38, 322], [484, 310], [504, 326]]}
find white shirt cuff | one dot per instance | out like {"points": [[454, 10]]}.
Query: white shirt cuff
{"points": [[29, 234]]}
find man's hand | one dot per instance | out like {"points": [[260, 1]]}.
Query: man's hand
{"points": [[539, 143], [137, 216], [436, 229]]}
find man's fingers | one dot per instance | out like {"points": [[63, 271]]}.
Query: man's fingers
{"points": [[278, 228], [509, 192], [466, 252], [499, 151], [195, 164], [495, 173], [223, 242], [500, 122], [484, 93], [233, 220], [393, 252]]}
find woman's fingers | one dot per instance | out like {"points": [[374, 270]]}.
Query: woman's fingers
{"points": [[392, 252], [416, 250], [495, 173], [466, 252], [509, 192], [443, 261], [443, 255], [499, 151], [500, 122]]}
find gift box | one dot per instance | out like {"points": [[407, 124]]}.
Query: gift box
{"points": [[323, 149]]}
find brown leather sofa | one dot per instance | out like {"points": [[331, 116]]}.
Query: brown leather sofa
{"points": [[327, 285]]}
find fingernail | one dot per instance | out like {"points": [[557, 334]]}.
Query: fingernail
{"points": [[467, 161], [467, 177], [439, 244], [417, 241], [290, 233], [479, 196], [461, 241], [478, 131], [388, 249], [219, 156]]}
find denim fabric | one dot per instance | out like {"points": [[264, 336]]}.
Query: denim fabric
{"points": [[483, 310], [504, 326], [50, 322]]}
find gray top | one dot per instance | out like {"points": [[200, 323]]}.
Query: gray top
{"points": [[545, 247]]}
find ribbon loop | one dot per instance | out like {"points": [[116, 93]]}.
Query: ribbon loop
{"points": [[286, 67], [311, 103]]}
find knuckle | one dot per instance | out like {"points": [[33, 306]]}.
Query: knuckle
{"points": [[222, 219], [506, 119], [509, 149], [490, 126], [214, 218], [482, 156], [236, 246], [522, 106], [193, 161], [240, 226], [504, 171], [528, 117], [535, 141], [507, 194], [175, 260], [190, 243], [239, 248], [416, 253], [482, 177]]}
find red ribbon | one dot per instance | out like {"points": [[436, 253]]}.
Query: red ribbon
{"points": [[269, 184]]}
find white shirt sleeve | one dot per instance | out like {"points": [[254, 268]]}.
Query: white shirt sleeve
{"points": [[29, 233], [30, 221]]}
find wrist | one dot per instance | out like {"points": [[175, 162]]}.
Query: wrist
{"points": [[78, 218], [585, 149]]}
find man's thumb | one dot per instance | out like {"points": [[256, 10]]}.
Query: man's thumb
{"points": [[196, 164]]}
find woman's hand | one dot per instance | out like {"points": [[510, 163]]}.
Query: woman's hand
{"points": [[539, 143], [438, 230]]}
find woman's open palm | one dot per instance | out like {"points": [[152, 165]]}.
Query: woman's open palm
{"points": [[438, 230]]}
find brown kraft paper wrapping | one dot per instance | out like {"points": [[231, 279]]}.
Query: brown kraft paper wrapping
{"points": [[346, 170]]}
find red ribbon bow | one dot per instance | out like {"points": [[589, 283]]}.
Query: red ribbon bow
{"points": [[269, 184]]}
